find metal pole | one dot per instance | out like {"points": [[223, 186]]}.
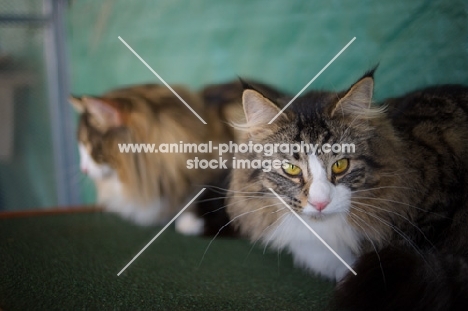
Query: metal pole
{"points": [[63, 136]]}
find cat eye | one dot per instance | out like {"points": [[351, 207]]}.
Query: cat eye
{"points": [[340, 166], [292, 169]]}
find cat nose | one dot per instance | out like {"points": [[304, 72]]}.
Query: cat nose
{"points": [[319, 205], [84, 170]]}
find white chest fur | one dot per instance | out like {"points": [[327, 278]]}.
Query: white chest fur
{"points": [[309, 252], [112, 196]]}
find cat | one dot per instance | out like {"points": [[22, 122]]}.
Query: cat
{"points": [[149, 188], [395, 210]]}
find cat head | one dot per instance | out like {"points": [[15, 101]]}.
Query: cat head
{"points": [[317, 184], [140, 114], [99, 118]]}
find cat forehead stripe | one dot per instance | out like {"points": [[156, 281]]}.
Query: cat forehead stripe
{"points": [[313, 79], [159, 77], [312, 230]]}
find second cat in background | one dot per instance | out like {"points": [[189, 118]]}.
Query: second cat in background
{"points": [[148, 187]]}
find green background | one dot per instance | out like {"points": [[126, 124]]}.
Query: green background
{"points": [[284, 43]]}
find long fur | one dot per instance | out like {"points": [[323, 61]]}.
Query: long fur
{"points": [[151, 187], [407, 194]]}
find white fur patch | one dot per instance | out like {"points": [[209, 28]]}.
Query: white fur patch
{"points": [[330, 224], [309, 252], [321, 189], [111, 194], [88, 166], [189, 224]]}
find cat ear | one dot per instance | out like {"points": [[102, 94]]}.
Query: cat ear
{"points": [[77, 104], [258, 109], [358, 99], [105, 113]]}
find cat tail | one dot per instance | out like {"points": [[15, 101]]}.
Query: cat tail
{"points": [[399, 279]]}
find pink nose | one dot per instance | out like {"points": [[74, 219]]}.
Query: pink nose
{"points": [[319, 205], [84, 170]]}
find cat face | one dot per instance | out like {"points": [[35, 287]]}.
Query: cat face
{"points": [[98, 118], [318, 185]]}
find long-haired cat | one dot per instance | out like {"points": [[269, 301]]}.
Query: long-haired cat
{"points": [[395, 209], [148, 187]]}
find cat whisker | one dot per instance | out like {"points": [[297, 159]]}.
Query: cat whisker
{"points": [[273, 233], [229, 222], [213, 188], [237, 201], [373, 245], [279, 209], [396, 229], [383, 187], [261, 234], [225, 197], [395, 173], [402, 203], [379, 234], [398, 214], [239, 196]]}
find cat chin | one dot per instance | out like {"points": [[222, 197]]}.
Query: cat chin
{"points": [[310, 212], [316, 216], [309, 252]]}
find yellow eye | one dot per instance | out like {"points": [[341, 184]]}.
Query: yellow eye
{"points": [[292, 169], [340, 166]]}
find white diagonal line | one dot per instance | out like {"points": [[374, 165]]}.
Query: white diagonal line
{"points": [[159, 77], [162, 230], [313, 79], [315, 233]]}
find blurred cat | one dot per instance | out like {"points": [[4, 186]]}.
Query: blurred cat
{"points": [[148, 187], [145, 187]]}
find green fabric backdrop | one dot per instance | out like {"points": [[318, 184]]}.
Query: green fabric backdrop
{"points": [[284, 43]]}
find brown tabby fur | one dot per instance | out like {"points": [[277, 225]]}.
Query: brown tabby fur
{"points": [[408, 181]]}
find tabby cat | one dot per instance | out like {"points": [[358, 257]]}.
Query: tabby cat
{"points": [[150, 188], [395, 209]]}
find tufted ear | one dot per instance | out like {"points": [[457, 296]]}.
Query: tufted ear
{"points": [[358, 98], [104, 111], [76, 103], [258, 109]]}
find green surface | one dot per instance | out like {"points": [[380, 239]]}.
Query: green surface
{"points": [[70, 262]]}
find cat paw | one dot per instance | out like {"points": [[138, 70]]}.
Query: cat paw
{"points": [[189, 224]]}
